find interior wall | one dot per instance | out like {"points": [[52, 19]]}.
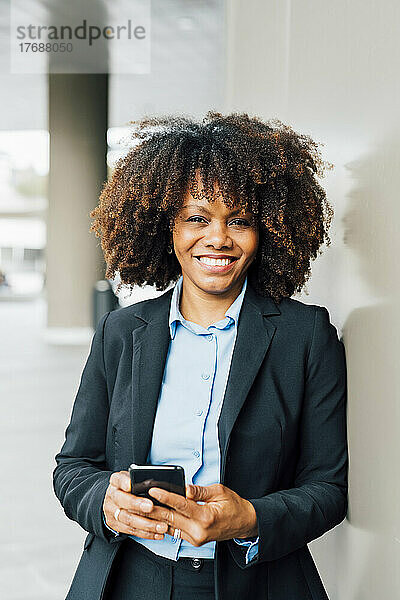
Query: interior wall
{"points": [[331, 70]]}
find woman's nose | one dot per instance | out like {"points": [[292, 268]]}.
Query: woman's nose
{"points": [[218, 235]]}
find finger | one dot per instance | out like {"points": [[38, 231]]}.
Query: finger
{"points": [[190, 492], [185, 535], [129, 501], [191, 530], [175, 501], [201, 493], [122, 528], [142, 523], [121, 480], [173, 518], [147, 534], [126, 525]]}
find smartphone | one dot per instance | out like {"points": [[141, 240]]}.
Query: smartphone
{"points": [[166, 477]]}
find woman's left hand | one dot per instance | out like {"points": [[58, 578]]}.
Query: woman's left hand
{"points": [[223, 516]]}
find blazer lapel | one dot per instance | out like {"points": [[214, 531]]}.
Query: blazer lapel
{"points": [[254, 336], [150, 347]]}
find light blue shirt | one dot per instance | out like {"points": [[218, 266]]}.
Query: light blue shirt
{"points": [[185, 429]]}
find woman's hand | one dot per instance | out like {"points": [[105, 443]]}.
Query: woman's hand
{"points": [[223, 516], [132, 518]]}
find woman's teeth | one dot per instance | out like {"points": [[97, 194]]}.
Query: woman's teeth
{"points": [[222, 262]]}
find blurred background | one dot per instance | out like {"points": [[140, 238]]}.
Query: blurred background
{"points": [[330, 70]]}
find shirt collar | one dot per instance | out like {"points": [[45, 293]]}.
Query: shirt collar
{"points": [[175, 314]]}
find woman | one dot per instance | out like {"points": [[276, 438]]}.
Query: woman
{"points": [[223, 374]]}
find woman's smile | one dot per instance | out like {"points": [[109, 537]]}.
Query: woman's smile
{"points": [[216, 265]]}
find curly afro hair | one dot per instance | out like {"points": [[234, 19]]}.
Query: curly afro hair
{"points": [[262, 167]]}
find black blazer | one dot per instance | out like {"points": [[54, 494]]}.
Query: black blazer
{"points": [[282, 434]]}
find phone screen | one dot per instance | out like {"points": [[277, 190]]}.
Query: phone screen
{"points": [[167, 477]]}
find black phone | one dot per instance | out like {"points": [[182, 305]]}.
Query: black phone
{"points": [[166, 477]]}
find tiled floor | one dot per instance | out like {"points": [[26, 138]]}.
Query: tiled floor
{"points": [[39, 546]]}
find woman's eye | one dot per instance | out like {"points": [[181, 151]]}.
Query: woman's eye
{"points": [[241, 221], [237, 221], [191, 219]]}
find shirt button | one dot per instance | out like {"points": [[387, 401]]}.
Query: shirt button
{"points": [[199, 413], [205, 376], [210, 337], [196, 453]]}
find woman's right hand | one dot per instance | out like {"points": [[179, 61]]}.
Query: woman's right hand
{"points": [[133, 518]]}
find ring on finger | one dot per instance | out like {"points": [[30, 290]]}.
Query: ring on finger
{"points": [[116, 513]]}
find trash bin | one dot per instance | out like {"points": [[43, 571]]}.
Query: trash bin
{"points": [[104, 300]]}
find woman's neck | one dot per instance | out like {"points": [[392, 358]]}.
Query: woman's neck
{"points": [[204, 308]]}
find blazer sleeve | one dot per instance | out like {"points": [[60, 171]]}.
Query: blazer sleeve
{"points": [[289, 519], [80, 479]]}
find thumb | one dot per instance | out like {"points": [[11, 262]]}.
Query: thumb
{"points": [[125, 481], [199, 493]]}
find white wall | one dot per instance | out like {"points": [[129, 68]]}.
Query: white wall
{"points": [[331, 69]]}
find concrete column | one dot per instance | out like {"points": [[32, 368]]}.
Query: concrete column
{"points": [[78, 128]]}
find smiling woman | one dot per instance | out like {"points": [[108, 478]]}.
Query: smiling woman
{"points": [[223, 375]]}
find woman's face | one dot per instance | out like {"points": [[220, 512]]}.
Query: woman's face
{"points": [[210, 229]]}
